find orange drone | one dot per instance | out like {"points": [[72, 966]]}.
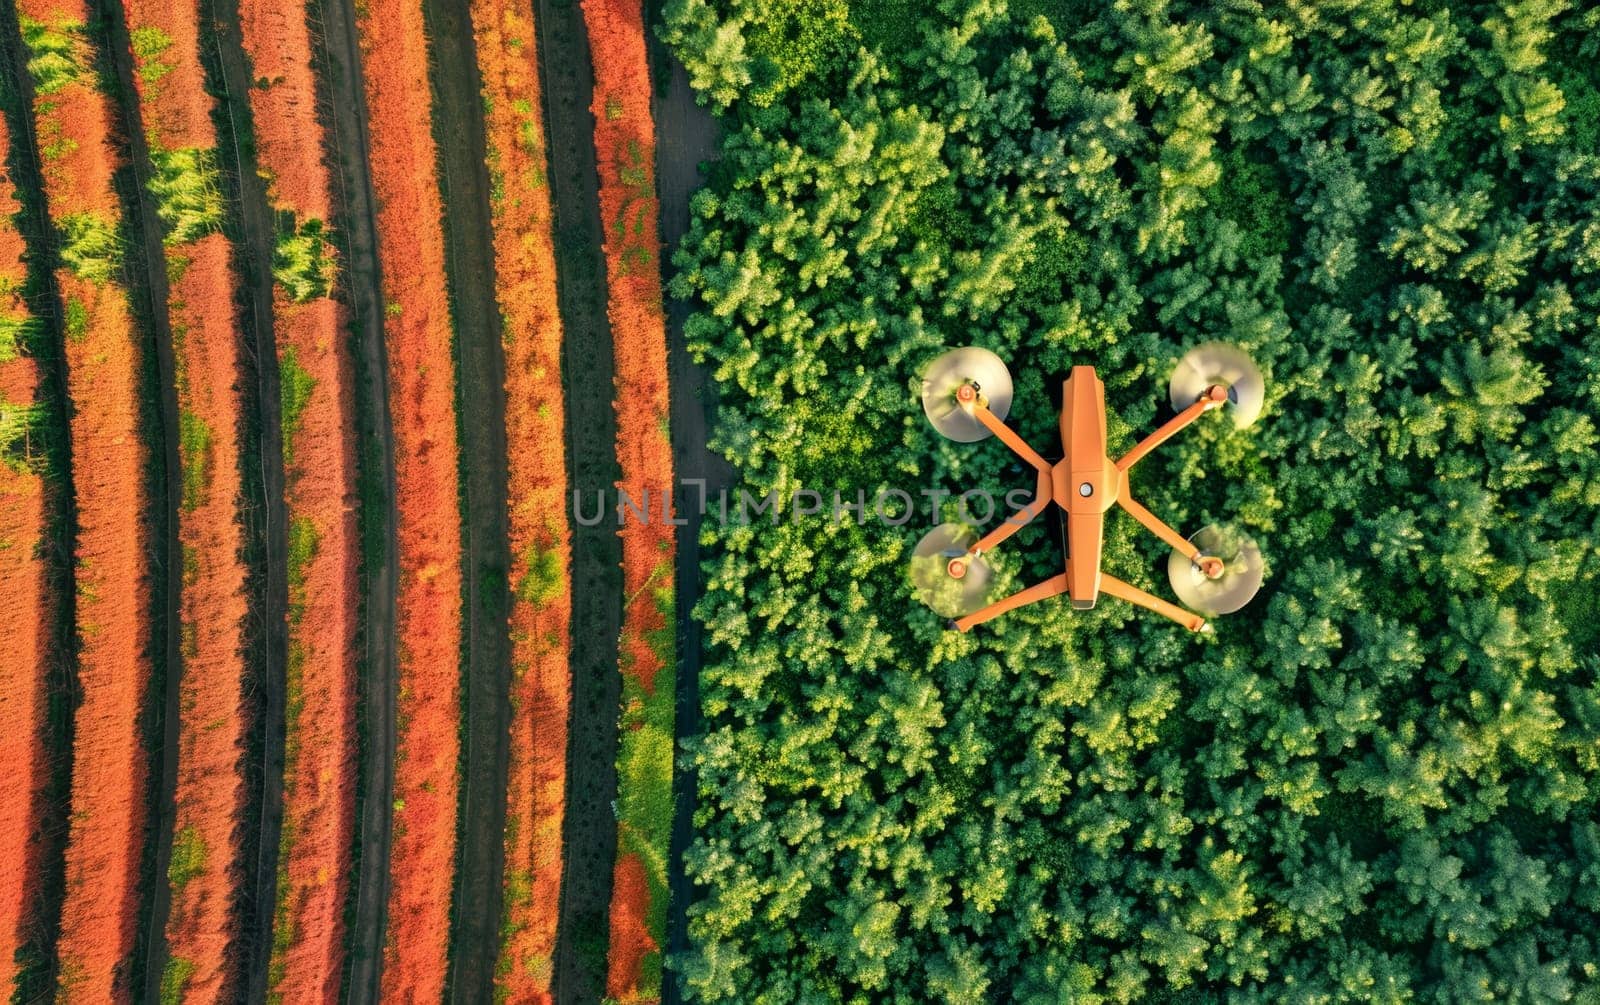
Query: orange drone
{"points": [[966, 394]]}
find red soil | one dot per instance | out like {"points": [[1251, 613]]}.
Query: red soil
{"points": [[76, 129], [25, 632], [320, 489], [525, 273], [202, 927], [422, 409], [624, 141]]}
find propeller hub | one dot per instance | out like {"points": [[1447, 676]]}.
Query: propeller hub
{"points": [[1223, 577], [958, 380], [957, 568], [1219, 374]]}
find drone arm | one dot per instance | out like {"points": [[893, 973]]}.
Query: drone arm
{"points": [[1132, 594], [1052, 587], [1158, 527], [1215, 395], [1016, 443], [1018, 520]]}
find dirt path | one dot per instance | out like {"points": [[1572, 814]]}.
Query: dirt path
{"points": [[147, 280], [254, 242], [480, 399], [688, 136], [345, 108], [590, 830]]}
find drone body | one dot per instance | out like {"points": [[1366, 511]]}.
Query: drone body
{"points": [[1086, 484]]}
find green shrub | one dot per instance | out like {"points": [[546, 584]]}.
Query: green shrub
{"points": [[91, 247], [188, 193], [53, 55], [303, 542], [294, 390], [188, 858], [543, 579], [16, 421], [194, 449], [174, 977], [149, 43], [302, 260], [17, 332]]}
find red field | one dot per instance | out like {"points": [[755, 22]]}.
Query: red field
{"points": [[422, 409], [204, 873], [525, 272], [625, 149], [320, 497], [25, 633], [75, 125]]}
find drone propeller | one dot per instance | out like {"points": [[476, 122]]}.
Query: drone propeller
{"points": [[1220, 363], [1237, 575], [947, 374], [935, 564]]}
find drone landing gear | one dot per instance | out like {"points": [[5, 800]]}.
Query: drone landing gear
{"points": [[1057, 585], [1133, 595], [1052, 587]]}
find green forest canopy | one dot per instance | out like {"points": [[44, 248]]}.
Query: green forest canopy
{"points": [[1379, 782]]}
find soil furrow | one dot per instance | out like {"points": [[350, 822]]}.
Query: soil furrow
{"points": [[255, 244], [145, 250], [485, 722], [347, 120], [589, 831]]}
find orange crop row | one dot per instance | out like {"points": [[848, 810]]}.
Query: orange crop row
{"points": [[318, 415], [422, 409], [625, 149], [201, 928], [75, 126], [26, 630], [525, 274]]}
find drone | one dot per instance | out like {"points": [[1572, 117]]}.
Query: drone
{"points": [[966, 394]]}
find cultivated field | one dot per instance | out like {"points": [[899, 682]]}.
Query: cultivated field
{"points": [[624, 141], [75, 126], [258, 278], [417, 335], [525, 272], [317, 412], [30, 499], [203, 870]]}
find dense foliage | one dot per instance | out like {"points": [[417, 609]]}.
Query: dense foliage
{"points": [[1377, 782]]}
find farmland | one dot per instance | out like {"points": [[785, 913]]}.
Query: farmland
{"points": [[105, 349], [624, 142], [316, 408], [421, 400], [203, 864], [380, 381], [538, 535], [30, 497]]}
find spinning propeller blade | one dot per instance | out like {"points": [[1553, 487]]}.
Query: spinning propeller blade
{"points": [[931, 577], [1242, 570], [1220, 363], [946, 375]]}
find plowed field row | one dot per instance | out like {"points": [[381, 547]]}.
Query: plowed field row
{"points": [[202, 925], [316, 382], [624, 142], [29, 499], [198, 914], [76, 126], [525, 269], [422, 406]]}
